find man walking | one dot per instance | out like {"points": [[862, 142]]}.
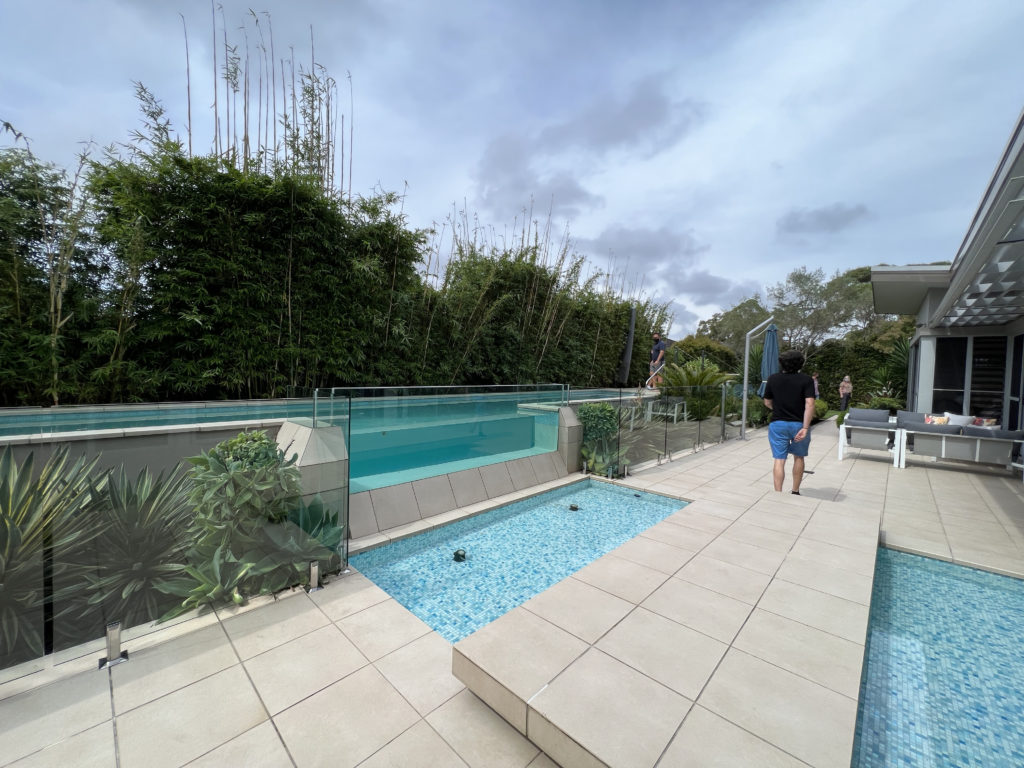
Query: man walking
{"points": [[790, 396], [657, 360]]}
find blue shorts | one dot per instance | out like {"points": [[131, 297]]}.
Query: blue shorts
{"points": [[780, 437]]}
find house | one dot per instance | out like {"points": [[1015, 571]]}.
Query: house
{"points": [[967, 354]]}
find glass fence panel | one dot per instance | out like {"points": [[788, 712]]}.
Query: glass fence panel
{"points": [[643, 424], [86, 545], [405, 434]]}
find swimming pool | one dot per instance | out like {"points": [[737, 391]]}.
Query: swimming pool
{"points": [[513, 553], [944, 667], [393, 436]]}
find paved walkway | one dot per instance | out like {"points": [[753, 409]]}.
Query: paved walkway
{"points": [[348, 677]]}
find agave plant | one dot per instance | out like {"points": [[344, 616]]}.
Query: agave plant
{"points": [[44, 519], [141, 557]]}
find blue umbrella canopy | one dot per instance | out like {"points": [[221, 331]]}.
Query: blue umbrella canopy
{"points": [[769, 357]]}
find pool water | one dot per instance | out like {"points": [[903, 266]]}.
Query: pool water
{"points": [[943, 680], [512, 553]]}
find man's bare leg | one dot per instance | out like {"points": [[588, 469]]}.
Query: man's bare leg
{"points": [[779, 473], [798, 473]]}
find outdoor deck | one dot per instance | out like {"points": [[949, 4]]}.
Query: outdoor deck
{"points": [[735, 631]]}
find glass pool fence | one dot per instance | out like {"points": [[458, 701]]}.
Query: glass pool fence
{"points": [[91, 550], [641, 426]]}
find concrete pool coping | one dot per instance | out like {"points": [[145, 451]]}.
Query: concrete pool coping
{"points": [[347, 676]]}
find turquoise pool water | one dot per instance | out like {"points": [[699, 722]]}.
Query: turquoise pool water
{"points": [[391, 439], [513, 553], [943, 681]]}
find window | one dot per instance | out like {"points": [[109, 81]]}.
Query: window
{"points": [[950, 374], [988, 374]]}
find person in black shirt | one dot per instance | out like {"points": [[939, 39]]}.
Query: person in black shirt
{"points": [[790, 396], [657, 360]]}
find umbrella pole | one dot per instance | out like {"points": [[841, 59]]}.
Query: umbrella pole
{"points": [[746, 374]]}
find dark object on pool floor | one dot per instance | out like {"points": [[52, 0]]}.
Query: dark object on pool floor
{"points": [[637, 495], [460, 556], [573, 507]]}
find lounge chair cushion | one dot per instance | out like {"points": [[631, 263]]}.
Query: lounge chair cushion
{"points": [[909, 419], [995, 433], [866, 423], [869, 414], [937, 429]]}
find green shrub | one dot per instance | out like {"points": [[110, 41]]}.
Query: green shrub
{"points": [[891, 404], [757, 413], [243, 491], [601, 450], [599, 420], [820, 409]]}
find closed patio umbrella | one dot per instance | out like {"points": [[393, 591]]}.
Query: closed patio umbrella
{"points": [[769, 357]]}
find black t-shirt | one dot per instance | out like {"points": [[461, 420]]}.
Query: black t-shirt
{"points": [[659, 346], [788, 392]]}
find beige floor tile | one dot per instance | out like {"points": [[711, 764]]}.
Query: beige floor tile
{"points": [[422, 672], [301, 667], [622, 578], [617, 714], [781, 707], [522, 651], [748, 556], [542, 761], [678, 536], [418, 747], [819, 656], [382, 628], [654, 554], [580, 609], [700, 521], [702, 609], [840, 557], [259, 747], [479, 736], [826, 578], [272, 625], [53, 713], [93, 748], [843, 618], [345, 723], [160, 669], [757, 535], [774, 520], [728, 579], [347, 595], [929, 547], [719, 508], [204, 715], [709, 741], [674, 655]]}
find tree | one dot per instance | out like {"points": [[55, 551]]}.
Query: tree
{"points": [[731, 326], [704, 348], [809, 309]]}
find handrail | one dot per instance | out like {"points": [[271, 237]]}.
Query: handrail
{"points": [[651, 378]]}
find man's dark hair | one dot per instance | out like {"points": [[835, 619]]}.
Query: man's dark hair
{"points": [[791, 361]]}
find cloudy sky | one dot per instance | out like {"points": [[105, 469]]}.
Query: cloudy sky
{"points": [[700, 149]]}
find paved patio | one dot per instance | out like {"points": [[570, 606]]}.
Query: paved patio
{"points": [[744, 599]]}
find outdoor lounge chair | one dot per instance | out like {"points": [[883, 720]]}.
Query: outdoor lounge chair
{"points": [[870, 429]]}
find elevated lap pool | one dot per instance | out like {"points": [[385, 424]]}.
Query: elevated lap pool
{"points": [[512, 553], [944, 667]]}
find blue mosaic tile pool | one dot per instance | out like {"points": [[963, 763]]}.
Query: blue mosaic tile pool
{"points": [[943, 680], [513, 553]]}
